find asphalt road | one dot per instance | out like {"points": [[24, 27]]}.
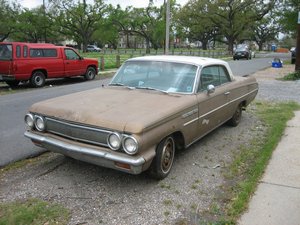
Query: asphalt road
{"points": [[14, 146]]}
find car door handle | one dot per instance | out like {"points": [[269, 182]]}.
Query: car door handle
{"points": [[67, 63], [227, 93]]}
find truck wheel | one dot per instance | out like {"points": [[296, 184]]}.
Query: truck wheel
{"points": [[38, 79], [236, 118], [90, 73], [12, 83], [163, 160]]}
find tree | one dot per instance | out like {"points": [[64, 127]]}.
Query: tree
{"points": [[149, 24], [194, 22], [233, 17], [288, 13], [265, 30], [107, 32], [31, 25], [8, 17], [78, 21]]}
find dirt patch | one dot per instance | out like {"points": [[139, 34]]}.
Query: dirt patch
{"points": [[274, 73]]}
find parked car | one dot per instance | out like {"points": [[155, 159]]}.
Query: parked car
{"points": [[153, 106], [293, 55], [37, 62], [242, 53], [93, 48]]}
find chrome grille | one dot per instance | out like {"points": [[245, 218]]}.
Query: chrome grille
{"points": [[77, 132]]}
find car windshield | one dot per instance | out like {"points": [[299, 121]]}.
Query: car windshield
{"points": [[5, 52], [156, 75], [241, 49]]}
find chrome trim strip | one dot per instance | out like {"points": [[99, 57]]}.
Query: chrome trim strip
{"points": [[216, 109], [191, 121], [71, 148]]}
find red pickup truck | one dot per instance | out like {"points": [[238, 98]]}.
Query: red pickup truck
{"points": [[37, 62]]}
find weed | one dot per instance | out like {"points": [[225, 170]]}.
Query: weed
{"points": [[33, 211]]}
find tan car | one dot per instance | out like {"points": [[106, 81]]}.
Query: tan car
{"points": [[153, 106]]}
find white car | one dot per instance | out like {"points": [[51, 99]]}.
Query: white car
{"points": [[93, 48]]}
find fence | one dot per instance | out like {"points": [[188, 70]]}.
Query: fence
{"points": [[114, 58]]}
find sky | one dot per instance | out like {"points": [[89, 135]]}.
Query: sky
{"points": [[123, 3]]}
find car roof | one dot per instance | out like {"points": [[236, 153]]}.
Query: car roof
{"points": [[198, 61], [30, 44]]}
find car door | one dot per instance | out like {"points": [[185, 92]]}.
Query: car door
{"points": [[212, 106], [74, 65]]}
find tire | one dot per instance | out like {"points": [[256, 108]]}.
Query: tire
{"points": [[164, 158], [236, 118], [12, 83], [38, 79], [90, 74]]}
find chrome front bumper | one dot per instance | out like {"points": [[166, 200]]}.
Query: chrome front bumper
{"points": [[95, 156]]}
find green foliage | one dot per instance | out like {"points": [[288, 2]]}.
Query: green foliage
{"points": [[33, 212], [251, 162], [8, 18], [292, 76], [288, 14], [194, 21], [78, 21]]}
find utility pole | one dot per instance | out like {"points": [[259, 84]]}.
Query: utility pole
{"points": [[167, 27], [297, 63], [45, 28]]}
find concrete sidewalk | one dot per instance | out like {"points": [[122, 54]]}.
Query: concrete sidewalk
{"points": [[277, 198]]}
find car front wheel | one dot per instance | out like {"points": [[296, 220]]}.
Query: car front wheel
{"points": [[90, 73], [38, 79], [164, 158]]}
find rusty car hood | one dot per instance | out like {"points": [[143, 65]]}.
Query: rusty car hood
{"points": [[115, 108]]}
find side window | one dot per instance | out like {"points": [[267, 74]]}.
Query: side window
{"points": [[71, 55], [18, 51], [36, 53], [209, 75], [50, 53], [25, 51], [224, 76], [5, 52], [215, 75]]}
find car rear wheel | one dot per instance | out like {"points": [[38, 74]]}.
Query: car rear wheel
{"points": [[236, 118], [90, 73], [13, 83], [163, 160], [38, 79]]}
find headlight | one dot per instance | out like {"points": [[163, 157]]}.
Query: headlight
{"points": [[114, 141], [39, 123], [29, 120], [130, 145]]}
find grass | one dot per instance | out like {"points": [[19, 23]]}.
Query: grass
{"points": [[33, 212], [292, 76], [249, 165]]}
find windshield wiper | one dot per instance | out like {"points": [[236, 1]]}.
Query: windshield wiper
{"points": [[152, 89]]}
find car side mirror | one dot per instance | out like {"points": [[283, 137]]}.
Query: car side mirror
{"points": [[210, 89]]}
